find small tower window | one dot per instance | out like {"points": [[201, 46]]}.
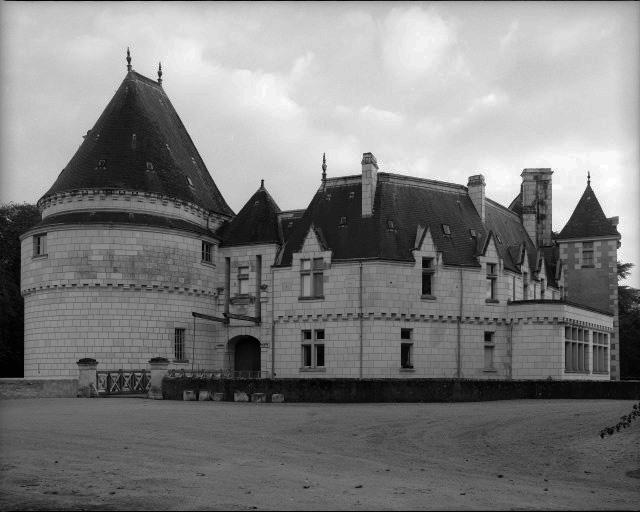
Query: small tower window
{"points": [[149, 166], [189, 182], [352, 195], [343, 222], [40, 245], [473, 233], [134, 142], [446, 229]]}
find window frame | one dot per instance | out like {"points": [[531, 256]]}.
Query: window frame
{"points": [[492, 285], [207, 252], [489, 347], [312, 344], [40, 245], [315, 273], [427, 272], [587, 250], [179, 344], [243, 280], [406, 349], [576, 349]]}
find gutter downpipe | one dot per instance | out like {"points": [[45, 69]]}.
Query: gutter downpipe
{"points": [[459, 340], [273, 328], [361, 320]]}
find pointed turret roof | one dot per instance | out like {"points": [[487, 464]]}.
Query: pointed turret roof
{"points": [[256, 223], [588, 220], [139, 143]]}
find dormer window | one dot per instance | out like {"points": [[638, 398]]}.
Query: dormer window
{"points": [[492, 278], [352, 195], [189, 182], [446, 229], [149, 166], [390, 225], [343, 222], [473, 233], [102, 165]]}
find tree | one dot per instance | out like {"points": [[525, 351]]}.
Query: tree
{"points": [[15, 219], [629, 322]]}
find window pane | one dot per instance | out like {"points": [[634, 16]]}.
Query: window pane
{"points": [[306, 285], [306, 355], [318, 263], [320, 334], [488, 336], [405, 334], [427, 262], [306, 264], [317, 284], [405, 355], [319, 355], [488, 357], [306, 335], [426, 283], [179, 344], [243, 286]]}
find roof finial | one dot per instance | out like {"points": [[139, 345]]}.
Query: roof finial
{"points": [[261, 183], [128, 60], [160, 73], [588, 178], [324, 171]]}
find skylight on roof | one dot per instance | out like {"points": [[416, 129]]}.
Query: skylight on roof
{"points": [[446, 229], [473, 233]]}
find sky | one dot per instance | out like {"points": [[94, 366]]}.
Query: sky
{"points": [[435, 90]]}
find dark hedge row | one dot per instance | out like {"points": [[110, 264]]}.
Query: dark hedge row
{"points": [[404, 390]]}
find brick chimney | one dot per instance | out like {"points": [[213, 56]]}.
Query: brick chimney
{"points": [[536, 205], [369, 180], [475, 189]]}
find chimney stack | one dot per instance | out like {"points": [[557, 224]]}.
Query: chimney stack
{"points": [[536, 205], [475, 189], [369, 181]]}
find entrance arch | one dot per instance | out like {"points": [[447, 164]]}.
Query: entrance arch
{"points": [[246, 354]]}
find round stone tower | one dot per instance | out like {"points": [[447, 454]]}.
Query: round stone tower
{"points": [[126, 249]]}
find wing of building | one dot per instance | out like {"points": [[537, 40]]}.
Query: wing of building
{"points": [[380, 276]]}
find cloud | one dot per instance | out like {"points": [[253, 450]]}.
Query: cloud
{"points": [[383, 117], [511, 36], [414, 42]]}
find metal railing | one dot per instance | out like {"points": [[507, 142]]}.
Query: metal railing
{"points": [[123, 382]]}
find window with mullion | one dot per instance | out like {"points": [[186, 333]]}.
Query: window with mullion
{"points": [[492, 277], [313, 348], [427, 276], [312, 277]]}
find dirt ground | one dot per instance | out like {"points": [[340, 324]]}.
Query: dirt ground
{"points": [[132, 453]]}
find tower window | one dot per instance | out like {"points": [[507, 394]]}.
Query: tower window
{"points": [[587, 254], [207, 252], [40, 245], [178, 344]]}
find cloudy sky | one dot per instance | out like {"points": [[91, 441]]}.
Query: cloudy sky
{"points": [[436, 90]]}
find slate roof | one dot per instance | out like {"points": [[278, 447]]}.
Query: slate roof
{"points": [[256, 223], [111, 217], [588, 219], [401, 204], [140, 107]]}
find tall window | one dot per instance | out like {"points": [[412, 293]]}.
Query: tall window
{"points": [[587, 254], [40, 245], [207, 252], [178, 344], [489, 348], [576, 349], [543, 288], [427, 276], [311, 277], [525, 286], [406, 348], [243, 280], [492, 277], [313, 348], [600, 347]]}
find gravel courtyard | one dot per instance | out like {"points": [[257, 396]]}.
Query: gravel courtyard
{"points": [[132, 453]]}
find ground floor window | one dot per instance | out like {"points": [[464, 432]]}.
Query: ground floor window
{"points": [[576, 349], [489, 349], [178, 344], [406, 348], [600, 356], [313, 348]]}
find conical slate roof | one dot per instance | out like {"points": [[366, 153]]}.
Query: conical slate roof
{"points": [[256, 223], [140, 144], [588, 219]]}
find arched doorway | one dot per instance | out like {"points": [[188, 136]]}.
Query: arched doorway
{"points": [[246, 354]]}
